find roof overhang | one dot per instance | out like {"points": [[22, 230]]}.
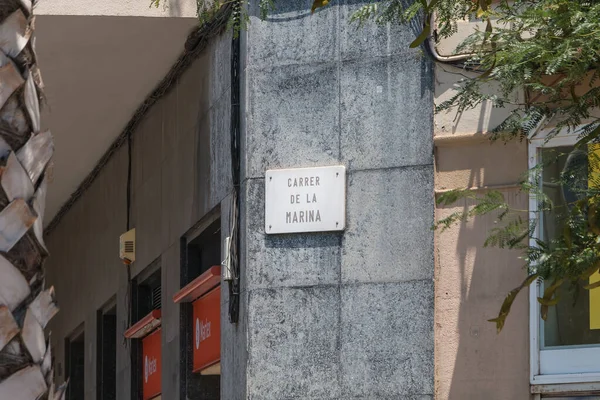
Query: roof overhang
{"points": [[97, 71]]}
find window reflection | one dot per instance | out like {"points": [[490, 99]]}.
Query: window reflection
{"points": [[564, 177]]}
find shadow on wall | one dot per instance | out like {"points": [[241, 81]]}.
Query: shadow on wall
{"points": [[480, 119], [472, 360], [304, 6]]}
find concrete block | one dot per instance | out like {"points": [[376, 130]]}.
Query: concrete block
{"points": [[389, 236], [170, 284], [292, 35], [220, 184], [387, 112], [137, 161], [371, 39], [124, 384], [170, 369], [150, 134], [91, 347], [123, 323], [293, 118], [293, 344], [167, 203], [169, 123], [286, 260], [193, 93], [202, 172], [123, 346], [148, 221], [387, 340], [220, 71], [184, 176]]}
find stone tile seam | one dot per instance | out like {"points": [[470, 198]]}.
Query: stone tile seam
{"points": [[341, 60], [328, 286], [270, 67], [410, 396], [351, 171], [335, 285], [340, 308], [392, 168], [339, 83]]}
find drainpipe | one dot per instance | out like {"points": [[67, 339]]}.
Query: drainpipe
{"points": [[430, 44]]}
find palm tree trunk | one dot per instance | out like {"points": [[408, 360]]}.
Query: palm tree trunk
{"points": [[25, 305]]}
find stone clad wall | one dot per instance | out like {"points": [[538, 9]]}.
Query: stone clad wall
{"points": [[338, 315]]}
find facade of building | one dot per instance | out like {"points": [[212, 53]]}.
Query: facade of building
{"points": [[320, 315], [530, 358], [198, 119]]}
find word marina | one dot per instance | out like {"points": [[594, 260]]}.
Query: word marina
{"points": [[298, 217]]}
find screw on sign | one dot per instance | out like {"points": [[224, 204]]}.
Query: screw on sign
{"points": [[305, 200]]}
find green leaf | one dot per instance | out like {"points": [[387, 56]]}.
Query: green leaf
{"points": [[551, 302], [589, 272], [488, 32], [592, 285], [318, 4], [421, 38], [488, 72], [452, 196], [484, 4], [592, 216], [546, 301], [431, 5], [567, 235], [509, 300]]}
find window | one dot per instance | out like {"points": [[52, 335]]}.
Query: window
{"points": [[106, 369], [148, 295], [566, 347], [203, 252]]}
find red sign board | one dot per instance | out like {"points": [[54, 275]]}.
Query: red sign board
{"points": [[151, 365], [207, 330]]}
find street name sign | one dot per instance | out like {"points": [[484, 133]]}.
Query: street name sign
{"points": [[305, 200]]}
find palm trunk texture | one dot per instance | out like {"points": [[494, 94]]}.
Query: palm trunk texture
{"points": [[26, 371]]}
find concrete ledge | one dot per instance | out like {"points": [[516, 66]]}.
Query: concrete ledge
{"points": [[461, 138]]}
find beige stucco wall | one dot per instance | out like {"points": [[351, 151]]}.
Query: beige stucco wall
{"points": [[471, 360], [142, 8]]}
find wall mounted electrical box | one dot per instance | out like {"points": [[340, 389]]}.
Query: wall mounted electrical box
{"points": [[127, 247]]}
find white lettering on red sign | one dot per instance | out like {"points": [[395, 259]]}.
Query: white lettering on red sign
{"points": [[150, 367], [202, 331]]}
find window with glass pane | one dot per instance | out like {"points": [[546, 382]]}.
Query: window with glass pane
{"points": [[564, 177]]}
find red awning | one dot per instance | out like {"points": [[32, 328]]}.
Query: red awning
{"points": [[199, 286], [144, 326]]}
